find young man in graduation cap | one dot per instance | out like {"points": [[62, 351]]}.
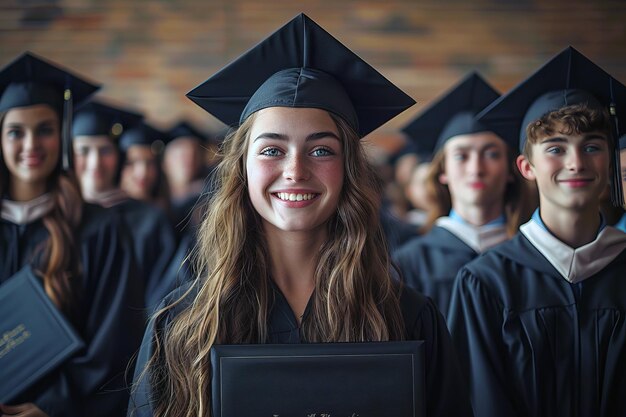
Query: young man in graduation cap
{"points": [[539, 320], [96, 129], [474, 189]]}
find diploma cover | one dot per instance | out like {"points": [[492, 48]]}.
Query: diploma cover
{"points": [[35, 337], [319, 380]]}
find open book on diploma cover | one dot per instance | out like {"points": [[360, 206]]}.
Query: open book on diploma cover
{"points": [[35, 338], [322, 380]]}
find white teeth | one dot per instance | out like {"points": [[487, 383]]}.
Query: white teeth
{"points": [[294, 197]]}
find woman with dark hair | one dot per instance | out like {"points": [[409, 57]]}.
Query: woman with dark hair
{"points": [[475, 193], [73, 249], [291, 249], [142, 176]]}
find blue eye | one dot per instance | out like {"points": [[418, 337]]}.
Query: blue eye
{"points": [[45, 131], [14, 134], [554, 150], [271, 152], [493, 155], [82, 151], [591, 148], [459, 157], [322, 152]]}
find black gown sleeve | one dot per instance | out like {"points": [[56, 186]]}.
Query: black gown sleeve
{"points": [[446, 390], [141, 403], [475, 319], [94, 382]]}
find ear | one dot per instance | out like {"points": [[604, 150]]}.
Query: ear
{"points": [[525, 168], [443, 178]]}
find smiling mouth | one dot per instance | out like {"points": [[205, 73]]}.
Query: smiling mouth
{"points": [[577, 181], [296, 197], [31, 161]]}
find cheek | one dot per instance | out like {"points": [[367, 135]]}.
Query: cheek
{"points": [[80, 163], [109, 163], [332, 175], [499, 168], [52, 146], [452, 172], [259, 175], [8, 149]]}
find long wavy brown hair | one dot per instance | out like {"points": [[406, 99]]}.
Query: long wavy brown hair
{"points": [[56, 260], [354, 299], [519, 201]]}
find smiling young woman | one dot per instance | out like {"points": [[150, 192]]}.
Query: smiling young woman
{"points": [[291, 249]]}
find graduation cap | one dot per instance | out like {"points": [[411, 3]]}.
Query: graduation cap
{"points": [[567, 79], [186, 129], [96, 118], [144, 134], [302, 65], [30, 80], [451, 115]]}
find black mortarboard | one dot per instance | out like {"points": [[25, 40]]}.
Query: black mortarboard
{"points": [[567, 79], [186, 129], [302, 65], [143, 134], [451, 115], [96, 118], [31, 80]]}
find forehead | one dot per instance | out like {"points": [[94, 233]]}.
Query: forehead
{"points": [[30, 114], [292, 121], [182, 142], [565, 136], [92, 141], [475, 140], [140, 152]]}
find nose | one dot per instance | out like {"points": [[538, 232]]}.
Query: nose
{"points": [[475, 165], [575, 161], [29, 141], [296, 168], [93, 160], [141, 169]]}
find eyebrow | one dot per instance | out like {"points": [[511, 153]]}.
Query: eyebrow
{"points": [[42, 123], [561, 139], [312, 136]]}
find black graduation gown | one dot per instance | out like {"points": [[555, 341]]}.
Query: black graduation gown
{"points": [[396, 231], [111, 322], [534, 344], [154, 243], [429, 264], [446, 392]]}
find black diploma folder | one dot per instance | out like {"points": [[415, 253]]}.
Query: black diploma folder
{"points": [[35, 338], [321, 380]]}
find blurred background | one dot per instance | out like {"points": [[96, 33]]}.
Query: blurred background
{"points": [[149, 53]]}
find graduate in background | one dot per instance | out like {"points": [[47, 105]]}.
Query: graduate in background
{"points": [[621, 224], [98, 163], [142, 175], [291, 249], [475, 190], [75, 249], [539, 320], [417, 193], [184, 164]]}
